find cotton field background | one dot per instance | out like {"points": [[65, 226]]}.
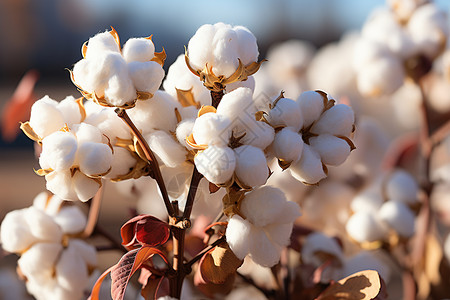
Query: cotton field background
{"points": [[238, 150]]}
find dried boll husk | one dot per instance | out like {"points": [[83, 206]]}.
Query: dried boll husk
{"points": [[399, 217]]}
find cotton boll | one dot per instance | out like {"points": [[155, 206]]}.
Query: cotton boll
{"points": [[87, 252], [288, 145], [166, 148], [402, 187], [212, 129], [286, 112], [279, 234], [331, 149], [238, 234], [287, 183], [249, 83], [84, 187], [87, 133], [251, 166], [42, 226], [217, 164], [138, 49], [107, 121], [258, 134], [367, 51], [15, 234], [263, 206], [364, 226], [71, 270], [262, 250], [157, 113], [120, 90], [146, 76], [45, 117], [101, 43], [184, 129], [70, 219], [399, 217], [309, 168], [60, 184], [94, 158], [318, 242], [122, 163], [200, 47], [311, 106], [225, 52], [238, 106], [369, 200], [37, 263], [70, 110], [40, 201], [338, 120], [248, 48], [384, 76]]}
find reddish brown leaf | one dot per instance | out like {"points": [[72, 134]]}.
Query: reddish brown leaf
{"points": [[151, 286], [144, 230], [211, 289], [213, 188], [96, 289], [127, 266]]}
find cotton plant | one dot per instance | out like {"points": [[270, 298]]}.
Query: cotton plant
{"points": [[54, 259]]}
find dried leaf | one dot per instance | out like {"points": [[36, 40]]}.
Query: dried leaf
{"points": [[218, 264], [160, 57], [186, 98], [95, 293], [144, 230], [150, 284], [213, 188], [211, 289], [364, 285], [127, 266], [29, 132]]}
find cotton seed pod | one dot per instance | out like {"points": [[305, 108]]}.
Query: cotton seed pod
{"points": [[122, 163], [45, 117], [138, 49], [331, 149], [101, 43], [37, 263], [120, 89], [15, 234], [365, 226], [288, 145], [311, 105], [212, 129], [251, 166], [286, 112], [258, 134], [166, 148], [309, 168], [146, 76], [399, 217], [58, 151], [217, 164], [318, 242], [338, 120], [94, 159], [402, 187]]}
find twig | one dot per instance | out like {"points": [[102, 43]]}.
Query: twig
{"points": [[195, 180], [201, 253], [150, 157], [94, 209]]}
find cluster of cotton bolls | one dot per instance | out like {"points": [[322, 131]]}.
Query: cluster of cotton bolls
{"points": [[391, 39], [385, 208], [54, 262]]}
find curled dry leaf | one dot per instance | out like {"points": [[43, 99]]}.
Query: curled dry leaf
{"points": [[144, 230], [364, 285]]}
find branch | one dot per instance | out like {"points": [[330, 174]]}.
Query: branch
{"points": [[195, 180], [150, 157]]}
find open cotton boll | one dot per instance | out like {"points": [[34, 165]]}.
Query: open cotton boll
{"points": [[369, 200], [311, 106], [184, 129], [70, 110], [384, 76], [138, 49], [338, 120], [107, 121], [263, 206], [217, 164], [157, 113], [87, 252], [146, 76], [238, 234], [71, 270], [286, 112], [428, 28], [249, 83], [42, 226], [120, 90], [248, 48], [60, 184], [238, 106], [87, 133], [15, 235], [58, 151], [212, 129], [166, 148], [399, 217], [288, 145], [37, 263], [225, 52], [402, 187], [262, 250], [122, 163], [309, 168], [45, 117], [251, 166], [94, 158], [318, 242], [200, 47], [364, 226], [101, 43], [367, 51], [70, 219], [331, 149], [84, 187], [258, 134]]}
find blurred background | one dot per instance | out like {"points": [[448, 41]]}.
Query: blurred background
{"points": [[47, 35]]}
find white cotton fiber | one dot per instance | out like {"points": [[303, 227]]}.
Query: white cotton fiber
{"points": [[84, 187], [309, 168], [212, 129], [146, 76], [217, 164], [166, 148], [402, 187], [338, 120], [101, 43], [311, 106], [286, 112], [42, 226], [288, 145], [15, 234], [60, 184], [238, 234], [263, 206], [45, 117], [70, 219], [331, 149], [364, 226], [94, 158], [263, 251], [399, 217], [138, 49], [251, 166]]}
